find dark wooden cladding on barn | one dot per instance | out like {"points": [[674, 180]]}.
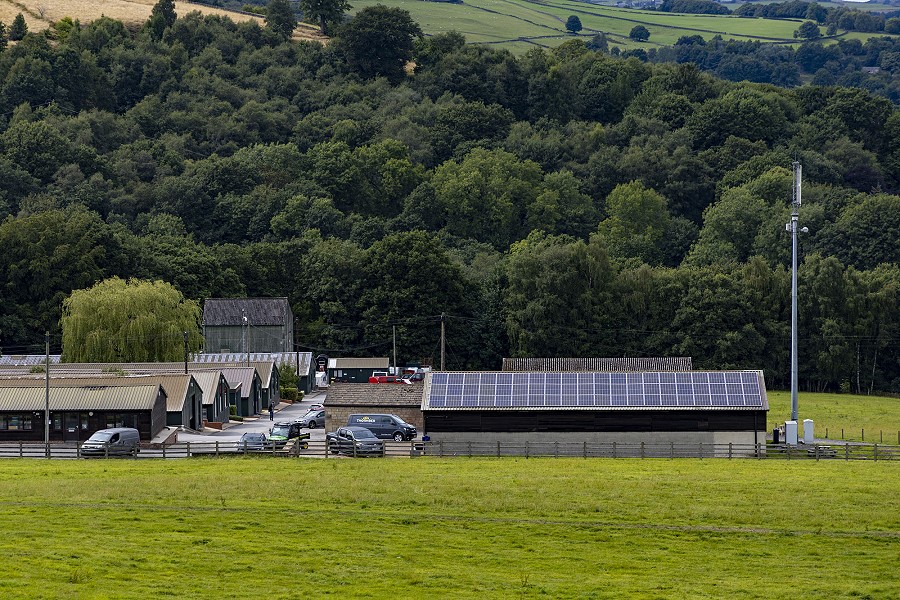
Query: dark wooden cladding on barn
{"points": [[604, 421], [608, 365]]}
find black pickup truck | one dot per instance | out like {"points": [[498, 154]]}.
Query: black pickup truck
{"points": [[357, 441]]}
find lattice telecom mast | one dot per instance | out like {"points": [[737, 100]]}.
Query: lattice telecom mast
{"points": [[793, 228]]}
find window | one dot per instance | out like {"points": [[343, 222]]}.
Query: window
{"points": [[120, 420], [16, 422]]}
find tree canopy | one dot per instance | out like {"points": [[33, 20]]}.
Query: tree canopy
{"points": [[573, 24], [129, 321], [379, 41], [324, 12]]}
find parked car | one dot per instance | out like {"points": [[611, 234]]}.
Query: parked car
{"points": [[388, 379], [316, 407], [357, 441], [414, 377], [313, 419], [386, 427], [281, 432], [117, 441], [253, 441]]}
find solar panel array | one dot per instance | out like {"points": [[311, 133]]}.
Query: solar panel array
{"points": [[733, 389]]}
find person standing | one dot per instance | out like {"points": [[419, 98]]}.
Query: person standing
{"points": [[271, 412]]}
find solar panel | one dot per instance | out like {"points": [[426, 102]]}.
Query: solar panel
{"points": [[724, 389]]}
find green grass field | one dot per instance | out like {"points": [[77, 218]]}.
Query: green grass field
{"points": [[521, 24], [854, 414], [452, 528]]}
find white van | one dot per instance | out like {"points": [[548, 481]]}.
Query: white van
{"points": [[118, 441]]}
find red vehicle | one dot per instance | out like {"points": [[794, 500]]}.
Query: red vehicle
{"points": [[387, 379]]}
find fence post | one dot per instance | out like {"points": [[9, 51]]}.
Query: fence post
{"points": [[788, 446], [817, 452], [188, 450], [164, 449], [700, 450], [846, 452], [863, 434], [729, 450], [556, 449], [441, 448], [584, 448], [469, 446], [875, 452], [21, 454], [671, 449], [842, 433], [217, 448], [526, 448], [614, 450], [758, 452], [498, 448], [642, 449], [882, 436], [826, 433]]}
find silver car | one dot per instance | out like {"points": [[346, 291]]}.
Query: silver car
{"points": [[313, 419]]}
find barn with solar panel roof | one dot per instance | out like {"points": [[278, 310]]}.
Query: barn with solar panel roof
{"points": [[622, 402]]}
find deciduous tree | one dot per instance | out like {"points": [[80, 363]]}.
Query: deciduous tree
{"points": [[573, 24], [280, 17], [379, 41], [129, 321], [324, 12]]}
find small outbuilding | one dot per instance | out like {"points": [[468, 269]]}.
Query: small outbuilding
{"points": [[355, 370], [345, 399]]}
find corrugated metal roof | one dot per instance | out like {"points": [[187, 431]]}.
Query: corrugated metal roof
{"points": [[609, 365], [209, 384], [175, 386], [240, 376], [359, 363], [259, 311], [113, 397], [279, 358], [27, 359]]}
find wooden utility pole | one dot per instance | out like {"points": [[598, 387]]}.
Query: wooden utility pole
{"points": [[442, 341], [47, 393]]}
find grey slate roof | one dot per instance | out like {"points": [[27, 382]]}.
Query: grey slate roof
{"points": [[374, 394], [96, 397], [240, 376], [609, 365], [259, 311]]}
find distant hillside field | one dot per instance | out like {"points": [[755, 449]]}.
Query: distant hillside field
{"points": [[522, 24], [41, 13]]}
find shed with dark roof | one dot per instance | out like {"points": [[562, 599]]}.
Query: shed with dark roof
{"points": [[248, 325]]}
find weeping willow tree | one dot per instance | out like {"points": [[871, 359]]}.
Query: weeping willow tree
{"points": [[128, 321]]}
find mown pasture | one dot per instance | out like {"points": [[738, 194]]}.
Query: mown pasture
{"points": [[856, 415], [521, 24], [451, 528]]}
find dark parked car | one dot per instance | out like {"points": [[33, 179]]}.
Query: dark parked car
{"points": [[253, 441], [357, 441], [386, 427], [313, 419]]}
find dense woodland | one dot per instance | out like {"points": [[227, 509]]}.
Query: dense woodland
{"points": [[562, 203]]}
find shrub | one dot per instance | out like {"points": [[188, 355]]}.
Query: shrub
{"points": [[289, 393]]}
